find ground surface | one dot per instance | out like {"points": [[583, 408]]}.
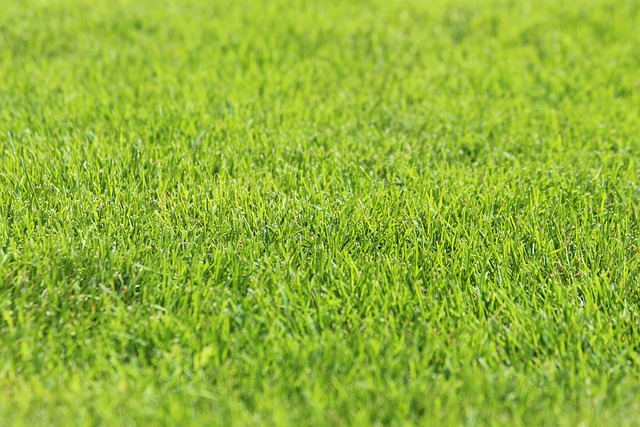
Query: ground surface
{"points": [[319, 213]]}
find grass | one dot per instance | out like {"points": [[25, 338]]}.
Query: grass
{"points": [[319, 213]]}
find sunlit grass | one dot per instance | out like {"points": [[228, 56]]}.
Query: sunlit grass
{"points": [[386, 212]]}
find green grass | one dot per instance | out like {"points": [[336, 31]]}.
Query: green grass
{"points": [[380, 212]]}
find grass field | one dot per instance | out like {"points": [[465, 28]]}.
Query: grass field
{"points": [[380, 212]]}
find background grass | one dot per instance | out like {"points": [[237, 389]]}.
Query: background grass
{"points": [[319, 213]]}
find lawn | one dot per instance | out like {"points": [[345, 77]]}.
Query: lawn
{"points": [[294, 212]]}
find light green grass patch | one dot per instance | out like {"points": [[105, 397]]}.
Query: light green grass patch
{"points": [[384, 212]]}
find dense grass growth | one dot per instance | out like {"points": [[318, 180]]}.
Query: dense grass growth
{"points": [[339, 213]]}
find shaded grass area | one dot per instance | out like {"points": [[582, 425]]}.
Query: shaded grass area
{"points": [[293, 213]]}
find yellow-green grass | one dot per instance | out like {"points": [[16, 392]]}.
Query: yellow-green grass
{"points": [[287, 212]]}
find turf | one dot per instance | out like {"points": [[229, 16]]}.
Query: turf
{"points": [[381, 212]]}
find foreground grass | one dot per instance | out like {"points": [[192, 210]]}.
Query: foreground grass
{"points": [[347, 213]]}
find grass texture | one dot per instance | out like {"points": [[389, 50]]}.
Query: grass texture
{"points": [[290, 212]]}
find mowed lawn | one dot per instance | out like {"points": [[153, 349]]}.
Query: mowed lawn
{"points": [[294, 212]]}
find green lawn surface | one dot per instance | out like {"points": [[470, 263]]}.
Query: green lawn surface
{"points": [[337, 213]]}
